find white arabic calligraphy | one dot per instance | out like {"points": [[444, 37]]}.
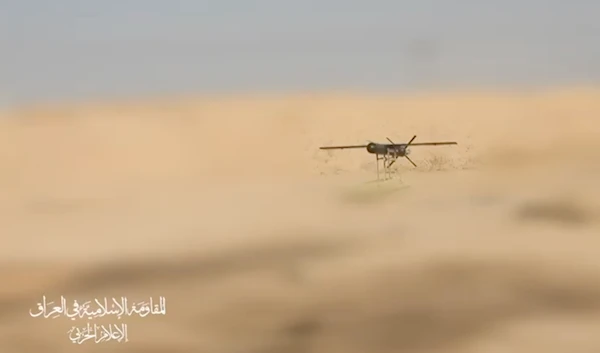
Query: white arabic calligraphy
{"points": [[99, 333], [118, 307]]}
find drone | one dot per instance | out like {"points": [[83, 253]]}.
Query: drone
{"points": [[388, 153]]}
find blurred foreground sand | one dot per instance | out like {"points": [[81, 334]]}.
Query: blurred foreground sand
{"points": [[261, 243]]}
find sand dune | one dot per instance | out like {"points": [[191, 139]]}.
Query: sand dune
{"points": [[262, 243]]}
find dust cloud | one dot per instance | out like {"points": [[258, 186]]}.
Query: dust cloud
{"points": [[262, 243]]}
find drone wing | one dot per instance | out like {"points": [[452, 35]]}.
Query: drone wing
{"points": [[342, 147], [433, 143]]}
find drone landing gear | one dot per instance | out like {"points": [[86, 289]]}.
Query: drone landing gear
{"points": [[387, 161]]}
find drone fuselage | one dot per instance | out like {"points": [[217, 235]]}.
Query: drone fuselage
{"points": [[396, 150]]}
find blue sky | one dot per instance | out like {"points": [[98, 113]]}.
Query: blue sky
{"points": [[77, 49]]}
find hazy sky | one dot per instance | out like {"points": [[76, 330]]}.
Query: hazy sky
{"points": [[77, 49]]}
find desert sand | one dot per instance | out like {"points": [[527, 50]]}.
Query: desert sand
{"points": [[262, 243]]}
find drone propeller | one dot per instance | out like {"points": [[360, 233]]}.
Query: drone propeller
{"points": [[405, 155], [410, 160]]}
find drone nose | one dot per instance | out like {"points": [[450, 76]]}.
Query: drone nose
{"points": [[371, 147]]}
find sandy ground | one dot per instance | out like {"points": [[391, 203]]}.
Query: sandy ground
{"points": [[262, 243]]}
